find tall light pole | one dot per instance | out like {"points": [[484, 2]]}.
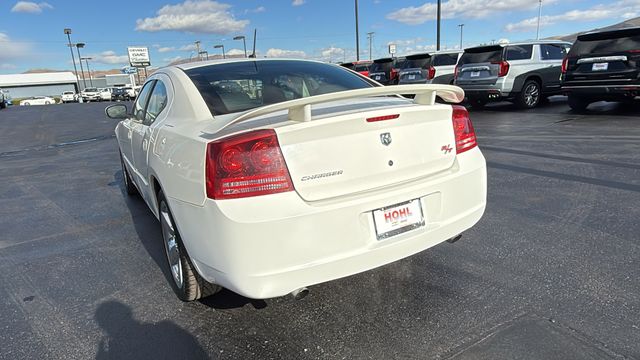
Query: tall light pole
{"points": [[78, 47], [438, 29], [67, 32], [205, 52], [539, 16], [461, 27], [197, 42], [357, 35], [218, 47], [86, 60], [370, 37], [244, 43]]}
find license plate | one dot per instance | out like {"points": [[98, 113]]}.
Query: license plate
{"points": [[412, 77], [377, 77], [600, 67], [397, 219], [475, 74]]}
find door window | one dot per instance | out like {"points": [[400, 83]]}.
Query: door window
{"points": [[157, 103], [519, 52], [141, 102]]}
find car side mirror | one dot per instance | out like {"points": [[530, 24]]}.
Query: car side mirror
{"points": [[117, 111]]}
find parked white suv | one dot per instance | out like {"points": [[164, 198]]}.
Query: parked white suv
{"points": [[425, 68], [524, 73], [105, 94], [90, 94]]}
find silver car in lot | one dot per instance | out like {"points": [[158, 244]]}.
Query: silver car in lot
{"points": [[427, 68], [524, 73]]}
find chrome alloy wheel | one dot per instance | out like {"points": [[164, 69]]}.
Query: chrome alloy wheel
{"points": [[532, 95], [171, 245]]}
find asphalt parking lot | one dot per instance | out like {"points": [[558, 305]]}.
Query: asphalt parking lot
{"points": [[550, 272]]}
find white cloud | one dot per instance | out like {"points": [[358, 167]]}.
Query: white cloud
{"points": [[189, 47], [281, 53], [172, 60], [415, 15], [30, 7], [297, 2], [12, 49], [195, 16], [164, 49], [109, 57], [622, 9], [7, 66], [259, 9], [234, 52]]}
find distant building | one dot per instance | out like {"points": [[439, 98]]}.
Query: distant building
{"points": [[38, 84]]}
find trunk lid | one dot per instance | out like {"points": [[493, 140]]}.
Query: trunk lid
{"points": [[480, 66], [342, 153]]}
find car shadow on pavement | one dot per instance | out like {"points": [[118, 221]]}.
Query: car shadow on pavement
{"points": [[148, 230], [127, 338]]}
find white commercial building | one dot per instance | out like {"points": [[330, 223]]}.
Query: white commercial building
{"points": [[38, 84]]}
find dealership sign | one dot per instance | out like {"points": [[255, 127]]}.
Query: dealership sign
{"points": [[139, 56]]}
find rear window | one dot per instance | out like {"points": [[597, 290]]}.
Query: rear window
{"points": [[417, 62], [481, 55], [361, 67], [241, 86], [381, 66], [519, 52], [445, 59], [606, 43]]}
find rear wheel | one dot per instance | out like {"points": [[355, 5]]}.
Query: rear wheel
{"points": [[187, 283], [128, 184], [577, 104], [27, 104], [530, 95]]}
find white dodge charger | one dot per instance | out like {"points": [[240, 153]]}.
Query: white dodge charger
{"points": [[268, 175]]}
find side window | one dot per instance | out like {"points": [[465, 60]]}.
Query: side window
{"points": [[553, 51], [519, 52], [141, 101], [157, 103]]}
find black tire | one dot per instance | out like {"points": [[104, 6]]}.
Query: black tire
{"points": [[477, 103], [577, 104], [191, 285], [3, 105], [530, 95], [128, 183]]}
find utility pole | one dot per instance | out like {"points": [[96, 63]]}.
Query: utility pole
{"points": [[86, 60], [67, 32], [357, 35], [439, 18], [539, 16], [461, 27], [370, 37], [197, 42]]}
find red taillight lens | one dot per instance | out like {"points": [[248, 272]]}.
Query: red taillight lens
{"points": [[504, 68], [394, 74], [565, 63], [432, 73], [463, 129], [249, 164]]}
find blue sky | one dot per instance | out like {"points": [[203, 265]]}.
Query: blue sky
{"points": [[31, 33]]}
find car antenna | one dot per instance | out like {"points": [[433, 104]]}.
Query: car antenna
{"points": [[255, 32]]}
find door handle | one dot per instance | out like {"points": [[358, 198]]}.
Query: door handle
{"points": [[145, 144]]}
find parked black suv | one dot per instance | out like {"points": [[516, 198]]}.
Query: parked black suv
{"points": [[385, 70], [120, 94], [602, 66]]}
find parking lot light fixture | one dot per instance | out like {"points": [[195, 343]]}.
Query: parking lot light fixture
{"points": [[78, 47], [67, 32], [244, 43], [539, 16], [224, 56]]}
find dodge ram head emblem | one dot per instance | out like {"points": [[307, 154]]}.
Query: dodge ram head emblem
{"points": [[385, 138]]}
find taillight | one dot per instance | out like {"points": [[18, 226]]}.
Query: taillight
{"points": [[245, 165], [565, 63], [432, 73], [463, 129], [394, 74], [504, 68]]}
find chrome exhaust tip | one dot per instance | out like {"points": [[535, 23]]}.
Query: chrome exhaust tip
{"points": [[300, 294]]}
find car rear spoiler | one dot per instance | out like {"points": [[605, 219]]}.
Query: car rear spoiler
{"points": [[300, 109]]}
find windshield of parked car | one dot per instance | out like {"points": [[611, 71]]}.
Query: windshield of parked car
{"points": [[605, 44], [91, 90], [488, 54], [239, 86]]}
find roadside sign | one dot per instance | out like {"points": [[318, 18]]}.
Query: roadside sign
{"points": [[139, 56], [129, 70], [392, 49]]}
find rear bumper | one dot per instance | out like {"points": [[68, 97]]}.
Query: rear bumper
{"points": [[603, 92], [268, 246], [487, 92]]}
